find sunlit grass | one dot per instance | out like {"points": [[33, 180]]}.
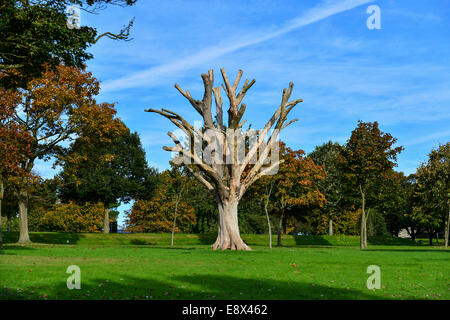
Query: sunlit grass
{"points": [[193, 271]]}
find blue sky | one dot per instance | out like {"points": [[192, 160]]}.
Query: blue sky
{"points": [[398, 75]]}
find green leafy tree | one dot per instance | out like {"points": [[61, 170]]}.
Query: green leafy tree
{"points": [[331, 186], [35, 33], [433, 191], [367, 157], [108, 170]]}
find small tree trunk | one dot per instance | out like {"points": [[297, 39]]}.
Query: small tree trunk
{"points": [[173, 227], [9, 223], [228, 236], [106, 221], [24, 237], [280, 228], [430, 237], [175, 215], [2, 193], [363, 221], [330, 227], [413, 235], [447, 226], [269, 226]]}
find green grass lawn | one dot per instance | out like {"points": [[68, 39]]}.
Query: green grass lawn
{"points": [[137, 266]]}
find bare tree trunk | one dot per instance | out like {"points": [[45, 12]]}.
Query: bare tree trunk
{"points": [[174, 224], [178, 198], [266, 204], [106, 221], [365, 228], [447, 226], [24, 237], [228, 236], [2, 193], [363, 220], [9, 223], [280, 228], [330, 227], [270, 227], [430, 238]]}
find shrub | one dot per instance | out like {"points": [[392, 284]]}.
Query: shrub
{"points": [[70, 217]]}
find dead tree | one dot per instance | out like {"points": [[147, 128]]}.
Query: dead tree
{"points": [[230, 163]]}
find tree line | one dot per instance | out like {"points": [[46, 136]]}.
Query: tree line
{"points": [[49, 111]]}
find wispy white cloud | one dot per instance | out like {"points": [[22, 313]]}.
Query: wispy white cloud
{"points": [[154, 74], [438, 137]]}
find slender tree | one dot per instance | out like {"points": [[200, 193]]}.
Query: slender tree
{"points": [[331, 186], [223, 167], [433, 191], [367, 156], [294, 185], [14, 144]]}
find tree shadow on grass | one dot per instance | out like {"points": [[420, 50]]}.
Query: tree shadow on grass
{"points": [[46, 237], [311, 240], [185, 287], [142, 242], [207, 239], [6, 250], [437, 250]]}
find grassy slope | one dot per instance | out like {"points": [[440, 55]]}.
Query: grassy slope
{"points": [[121, 270]]}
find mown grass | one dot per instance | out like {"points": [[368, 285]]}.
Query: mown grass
{"points": [[112, 267]]}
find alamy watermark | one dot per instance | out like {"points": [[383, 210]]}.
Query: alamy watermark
{"points": [[74, 17], [374, 280], [74, 280], [374, 20]]}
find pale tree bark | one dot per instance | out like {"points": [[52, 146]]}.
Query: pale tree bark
{"points": [[365, 228], [330, 227], [24, 237], [266, 205], [106, 221], [447, 227], [2, 193], [280, 228], [363, 232], [177, 200], [220, 166]]}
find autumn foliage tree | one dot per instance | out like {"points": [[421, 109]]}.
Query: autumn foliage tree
{"points": [[167, 206], [14, 143], [294, 185], [367, 157], [53, 110]]}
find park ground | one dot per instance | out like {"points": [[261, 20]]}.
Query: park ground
{"points": [[144, 266]]}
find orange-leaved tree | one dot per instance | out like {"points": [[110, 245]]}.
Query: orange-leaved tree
{"points": [[294, 186], [14, 143], [167, 210], [53, 110]]}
